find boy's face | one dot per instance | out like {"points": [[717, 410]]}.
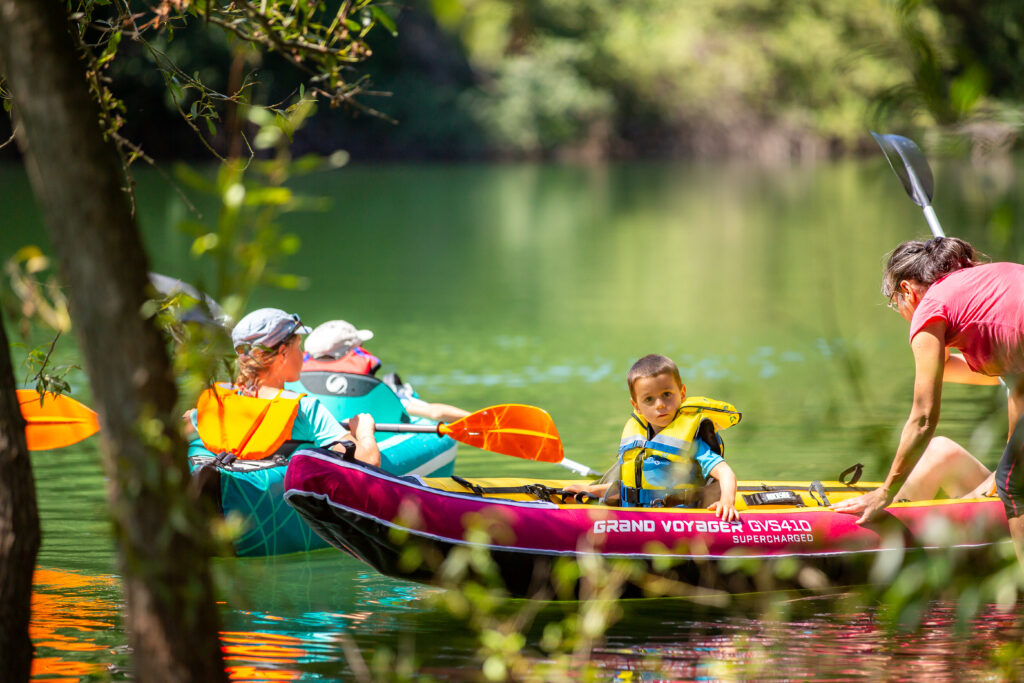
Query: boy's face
{"points": [[658, 398]]}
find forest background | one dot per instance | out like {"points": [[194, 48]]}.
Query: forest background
{"points": [[595, 79]]}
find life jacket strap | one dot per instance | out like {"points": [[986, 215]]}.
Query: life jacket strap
{"points": [[647, 498], [650, 446]]}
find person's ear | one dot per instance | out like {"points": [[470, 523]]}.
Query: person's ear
{"points": [[682, 391], [632, 401], [910, 291]]}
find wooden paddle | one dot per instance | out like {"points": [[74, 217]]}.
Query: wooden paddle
{"points": [[512, 429], [54, 421]]}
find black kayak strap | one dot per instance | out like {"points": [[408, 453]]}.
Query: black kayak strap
{"points": [[827, 489], [855, 471], [540, 491], [774, 497]]}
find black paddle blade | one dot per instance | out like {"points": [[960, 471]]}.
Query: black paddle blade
{"points": [[909, 165]]}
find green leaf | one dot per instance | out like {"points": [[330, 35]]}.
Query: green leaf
{"points": [[268, 196], [110, 51], [384, 19], [287, 281], [205, 243], [289, 244]]}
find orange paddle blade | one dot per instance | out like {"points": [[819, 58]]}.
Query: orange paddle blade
{"points": [[511, 429], [56, 421]]}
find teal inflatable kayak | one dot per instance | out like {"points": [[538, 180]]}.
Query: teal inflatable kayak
{"points": [[254, 489]]}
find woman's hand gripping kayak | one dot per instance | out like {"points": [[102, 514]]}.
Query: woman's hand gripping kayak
{"points": [[867, 505]]}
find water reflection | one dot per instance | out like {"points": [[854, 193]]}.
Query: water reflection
{"points": [[829, 645], [76, 630], [74, 620]]}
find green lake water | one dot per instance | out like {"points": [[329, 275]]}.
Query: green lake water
{"points": [[541, 284]]}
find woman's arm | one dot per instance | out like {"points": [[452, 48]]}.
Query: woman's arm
{"points": [[438, 412], [928, 346], [362, 428]]}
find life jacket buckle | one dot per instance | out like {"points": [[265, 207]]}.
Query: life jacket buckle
{"points": [[224, 459]]}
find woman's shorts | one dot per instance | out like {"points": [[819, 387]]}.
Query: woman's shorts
{"points": [[1010, 473]]}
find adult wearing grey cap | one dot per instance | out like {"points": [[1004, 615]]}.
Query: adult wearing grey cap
{"points": [[268, 342]]}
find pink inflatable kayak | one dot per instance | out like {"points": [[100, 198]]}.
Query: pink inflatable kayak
{"points": [[375, 516]]}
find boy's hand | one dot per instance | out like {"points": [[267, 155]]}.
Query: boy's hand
{"points": [[594, 491], [725, 510], [576, 489]]}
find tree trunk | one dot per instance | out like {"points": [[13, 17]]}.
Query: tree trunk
{"points": [[19, 529], [78, 179]]}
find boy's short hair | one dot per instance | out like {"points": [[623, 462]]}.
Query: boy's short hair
{"points": [[652, 365]]}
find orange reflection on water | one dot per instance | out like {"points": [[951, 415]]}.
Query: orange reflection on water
{"points": [[273, 648], [263, 649], [253, 673], [69, 610], [56, 670], [65, 613]]}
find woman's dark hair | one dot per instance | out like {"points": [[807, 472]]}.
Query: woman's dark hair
{"points": [[927, 261]]}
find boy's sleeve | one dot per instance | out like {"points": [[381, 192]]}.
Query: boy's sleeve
{"points": [[706, 458]]}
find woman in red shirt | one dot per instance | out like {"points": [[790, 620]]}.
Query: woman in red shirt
{"points": [[952, 299]]}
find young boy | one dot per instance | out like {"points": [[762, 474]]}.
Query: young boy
{"points": [[664, 445]]}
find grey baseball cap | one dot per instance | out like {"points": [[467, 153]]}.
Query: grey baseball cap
{"points": [[266, 327], [335, 338]]}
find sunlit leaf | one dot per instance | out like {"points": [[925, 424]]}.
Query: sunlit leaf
{"points": [[384, 19]]}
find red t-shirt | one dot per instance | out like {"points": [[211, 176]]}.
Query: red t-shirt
{"points": [[983, 309]]}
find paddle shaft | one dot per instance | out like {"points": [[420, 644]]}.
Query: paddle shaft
{"points": [[402, 427], [933, 221]]}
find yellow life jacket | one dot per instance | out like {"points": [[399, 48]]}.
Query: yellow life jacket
{"points": [[250, 428], [675, 445]]}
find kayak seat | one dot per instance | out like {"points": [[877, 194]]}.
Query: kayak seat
{"points": [[346, 394]]}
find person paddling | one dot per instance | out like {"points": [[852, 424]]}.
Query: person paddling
{"points": [[951, 298], [268, 342], [336, 346]]}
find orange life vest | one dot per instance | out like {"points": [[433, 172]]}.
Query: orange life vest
{"points": [[358, 361], [250, 428]]}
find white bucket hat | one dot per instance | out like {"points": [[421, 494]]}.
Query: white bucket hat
{"points": [[334, 339]]}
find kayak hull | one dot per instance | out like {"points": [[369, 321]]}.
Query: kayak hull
{"points": [[254, 490], [377, 517]]}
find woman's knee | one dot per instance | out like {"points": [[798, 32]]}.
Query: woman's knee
{"points": [[942, 451]]}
